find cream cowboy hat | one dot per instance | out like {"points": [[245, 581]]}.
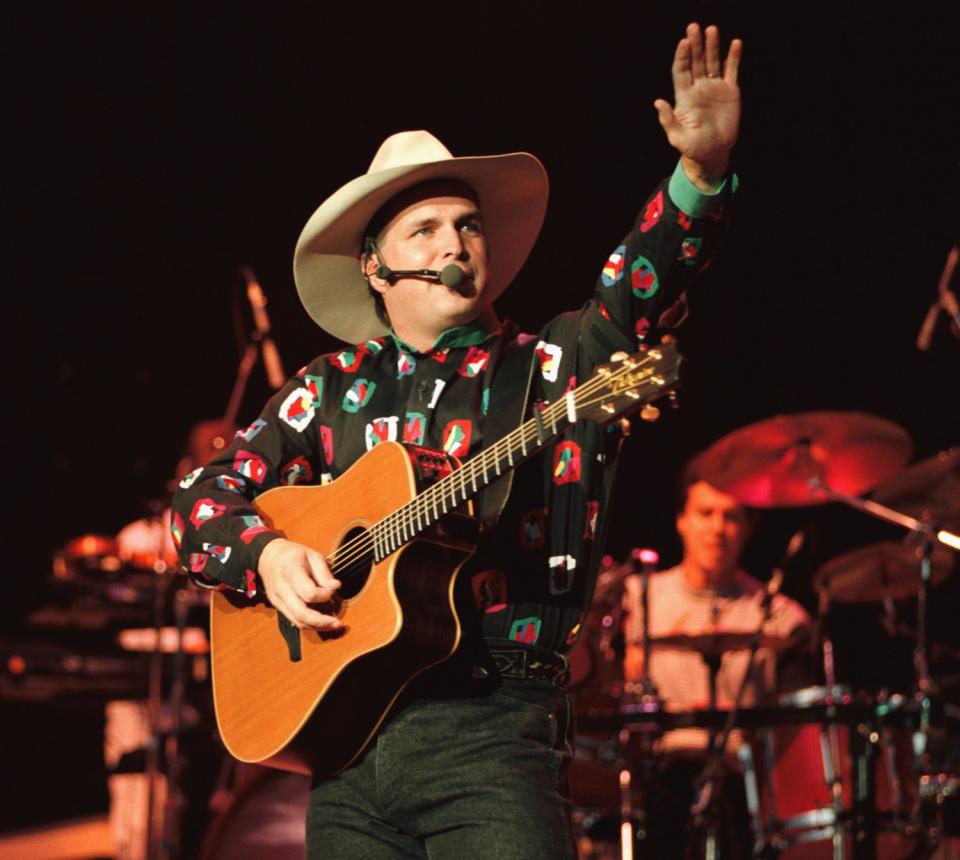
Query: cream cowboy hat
{"points": [[512, 192]]}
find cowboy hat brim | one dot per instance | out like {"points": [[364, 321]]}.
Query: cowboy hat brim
{"points": [[511, 190]]}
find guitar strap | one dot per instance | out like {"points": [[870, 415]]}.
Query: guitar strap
{"points": [[505, 412]]}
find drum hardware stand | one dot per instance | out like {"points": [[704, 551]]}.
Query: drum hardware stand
{"points": [[639, 697], [704, 809], [863, 738], [861, 747], [927, 534], [163, 834], [154, 849], [830, 751], [174, 807]]}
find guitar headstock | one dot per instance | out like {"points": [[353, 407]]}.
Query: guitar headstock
{"points": [[629, 382]]}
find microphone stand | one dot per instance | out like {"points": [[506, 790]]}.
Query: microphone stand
{"points": [[155, 848], [258, 340], [704, 809]]}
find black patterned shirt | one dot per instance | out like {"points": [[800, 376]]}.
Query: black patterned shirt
{"points": [[533, 574]]}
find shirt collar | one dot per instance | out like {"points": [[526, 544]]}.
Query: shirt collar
{"points": [[472, 334]]}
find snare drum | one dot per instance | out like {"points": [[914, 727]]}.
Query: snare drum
{"points": [[804, 783]]}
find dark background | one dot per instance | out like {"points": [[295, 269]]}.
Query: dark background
{"points": [[159, 152]]}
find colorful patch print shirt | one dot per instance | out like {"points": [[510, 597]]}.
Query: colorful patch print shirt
{"points": [[533, 574]]}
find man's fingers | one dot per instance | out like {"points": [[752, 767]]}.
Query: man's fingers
{"points": [[308, 617], [680, 70], [308, 590], [292, 605], [694, 37], [732, 64], [712, 52], [320, 573], [305, 617]]}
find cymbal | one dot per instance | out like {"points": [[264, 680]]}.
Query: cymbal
{"points": [[928, 489], [771, 463], [713, 644], [881, 570]]}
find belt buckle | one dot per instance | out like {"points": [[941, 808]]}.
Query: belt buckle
{"points": [[510, 663]]}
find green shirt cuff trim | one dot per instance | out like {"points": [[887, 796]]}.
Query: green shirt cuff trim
{"points": [[696, 203]]}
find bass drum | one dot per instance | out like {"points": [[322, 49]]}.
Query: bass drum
{"points": [[266, 820]]}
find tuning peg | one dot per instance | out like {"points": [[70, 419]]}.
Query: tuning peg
{"points": [[649, 412], [674, 397], [625, 427]]}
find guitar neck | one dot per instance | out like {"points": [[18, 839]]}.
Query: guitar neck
{"points": [[633, 382]]}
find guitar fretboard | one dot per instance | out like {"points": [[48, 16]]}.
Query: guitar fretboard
{"points": [[635, 381]]}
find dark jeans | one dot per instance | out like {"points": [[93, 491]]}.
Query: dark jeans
{"points": [[465, 778]]}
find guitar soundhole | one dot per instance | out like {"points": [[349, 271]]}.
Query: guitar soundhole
{"points": [[356, 551]]}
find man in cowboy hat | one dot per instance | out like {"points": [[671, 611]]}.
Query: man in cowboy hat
{"points": [[405, 263]]}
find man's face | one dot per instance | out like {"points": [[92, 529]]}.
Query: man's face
{"points": [[713, 527], [432, 226]]}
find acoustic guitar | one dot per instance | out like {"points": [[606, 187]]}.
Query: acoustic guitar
{"points": [[391, 530]]}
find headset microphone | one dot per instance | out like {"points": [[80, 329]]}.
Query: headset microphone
{"points": [[450, 276]]}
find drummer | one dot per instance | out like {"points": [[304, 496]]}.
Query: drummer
{"points": [[706, 593]]}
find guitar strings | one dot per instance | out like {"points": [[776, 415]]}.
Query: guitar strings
{"points": [[422, 504], [359, 547], [386, 531], [395, 526]]}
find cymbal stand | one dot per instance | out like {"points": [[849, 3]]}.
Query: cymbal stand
{"points": [[638, 697], [834, 776], [927, 533], [644, 692], [920, 663], [926, 530], [705, 810]]}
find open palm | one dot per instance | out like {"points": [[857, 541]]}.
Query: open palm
{"points": [[704, 122]]}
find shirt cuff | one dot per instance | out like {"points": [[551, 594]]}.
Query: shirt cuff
{"points": [[696, 203]]}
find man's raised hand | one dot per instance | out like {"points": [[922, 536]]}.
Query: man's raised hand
{"points": [[704, 121]]}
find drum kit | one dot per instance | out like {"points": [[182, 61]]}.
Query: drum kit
{"points": [[826, 771]]}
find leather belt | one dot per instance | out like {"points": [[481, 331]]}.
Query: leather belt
{"points": [[530, 664]]}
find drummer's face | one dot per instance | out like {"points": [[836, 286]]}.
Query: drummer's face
{"points": [[713, 527]]}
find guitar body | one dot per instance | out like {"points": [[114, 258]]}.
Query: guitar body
{"points": [[308, 702], [318, 713]]}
